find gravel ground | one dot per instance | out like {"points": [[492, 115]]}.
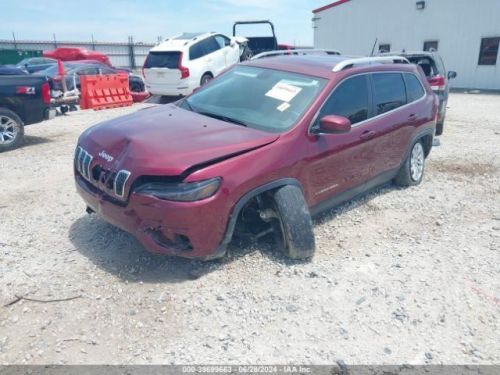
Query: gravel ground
{"points": [[400, 276]]}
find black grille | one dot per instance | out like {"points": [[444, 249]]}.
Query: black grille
{"points": [[103, 179]]}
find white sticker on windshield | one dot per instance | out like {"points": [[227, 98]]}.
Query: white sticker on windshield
{"points": [[283, 107], [283, 92]]}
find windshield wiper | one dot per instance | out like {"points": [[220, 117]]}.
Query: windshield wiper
{"points": [[190, 107], [223, 118]]}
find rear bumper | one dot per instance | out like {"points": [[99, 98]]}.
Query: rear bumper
{"points": [[183, 88], [186, 229], [443, 99]]}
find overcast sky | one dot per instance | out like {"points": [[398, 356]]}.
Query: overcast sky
{"points": [[115, 20]]}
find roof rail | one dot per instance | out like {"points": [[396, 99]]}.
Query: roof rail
{"points": [[289, 52], [349, 63]]}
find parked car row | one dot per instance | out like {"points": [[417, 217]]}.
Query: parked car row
{"points": [[180, 65], [31, 90], [74, 70]]}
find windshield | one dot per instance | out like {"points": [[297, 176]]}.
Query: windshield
{"points": [[264, 99], [23, 62]]}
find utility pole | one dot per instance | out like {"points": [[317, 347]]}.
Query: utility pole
{"points": [[131, 52], [14, 37], [93, 41], [55, 41]]}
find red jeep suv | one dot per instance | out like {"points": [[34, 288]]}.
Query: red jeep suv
{"points": [[266, 145]]}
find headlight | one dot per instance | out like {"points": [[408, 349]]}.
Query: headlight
{"points": [[181, 192]]}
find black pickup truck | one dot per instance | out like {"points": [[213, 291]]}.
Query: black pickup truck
{"points": [[24, 100]]}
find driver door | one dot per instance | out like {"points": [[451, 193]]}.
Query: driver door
{"points": [[231, 50], [340, 162]]}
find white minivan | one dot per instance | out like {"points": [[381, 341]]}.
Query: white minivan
{"points": [[179, 65]]}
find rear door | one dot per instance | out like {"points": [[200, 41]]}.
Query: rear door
{"points": [[231, 52], [162, 67], [392, 121]]}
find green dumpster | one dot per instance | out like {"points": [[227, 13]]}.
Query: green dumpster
{"points": [[13, 56]]}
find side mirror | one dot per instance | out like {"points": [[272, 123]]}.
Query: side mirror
{"points": [[333, 124], [452, 74]]}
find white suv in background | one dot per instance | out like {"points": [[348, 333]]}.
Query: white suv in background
{"points": [[179, 65]]}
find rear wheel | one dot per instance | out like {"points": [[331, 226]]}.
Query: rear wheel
{"points": [[293, 224], [11, 130], [205, 79], [136, 87], [412, 170]]}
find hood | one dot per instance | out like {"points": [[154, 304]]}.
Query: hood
{"points": [[166, 140]]}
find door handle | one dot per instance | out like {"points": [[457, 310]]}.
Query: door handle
{"points": [[369, 134], [412, 117]]}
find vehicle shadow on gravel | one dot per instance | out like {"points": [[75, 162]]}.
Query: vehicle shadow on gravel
{"points": [[119, 253], [357, 202], [31, 140]]}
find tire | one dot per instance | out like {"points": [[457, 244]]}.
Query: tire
{"points": [[295, 229], [439, 128], [205, 79], [11, 130], [136, 87], [412, 169]]}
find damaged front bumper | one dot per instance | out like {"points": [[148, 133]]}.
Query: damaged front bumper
{"points": [[186, 229]]}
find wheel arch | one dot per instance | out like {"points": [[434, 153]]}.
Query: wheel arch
{"points": [[426, 136], [240, 204], [208, 72]]}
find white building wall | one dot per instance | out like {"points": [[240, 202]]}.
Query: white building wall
{"points": [[458, 25]]}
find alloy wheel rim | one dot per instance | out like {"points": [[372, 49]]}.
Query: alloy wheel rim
{"points": [[417, 162], [8, 130]]}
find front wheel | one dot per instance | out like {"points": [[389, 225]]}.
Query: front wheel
{"points": [[294, 223], [11, 130], [439, 128], [412, 170]]}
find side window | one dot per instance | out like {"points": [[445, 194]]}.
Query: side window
{"points": [[388, 92], [196, 51], [222, 41], [88, 71], [414, 89], [210, 45], [106, 70], [349, 99]]}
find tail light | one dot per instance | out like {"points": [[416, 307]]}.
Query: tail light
{"points": [[184, 70], [438, 83], [46, 93]]}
